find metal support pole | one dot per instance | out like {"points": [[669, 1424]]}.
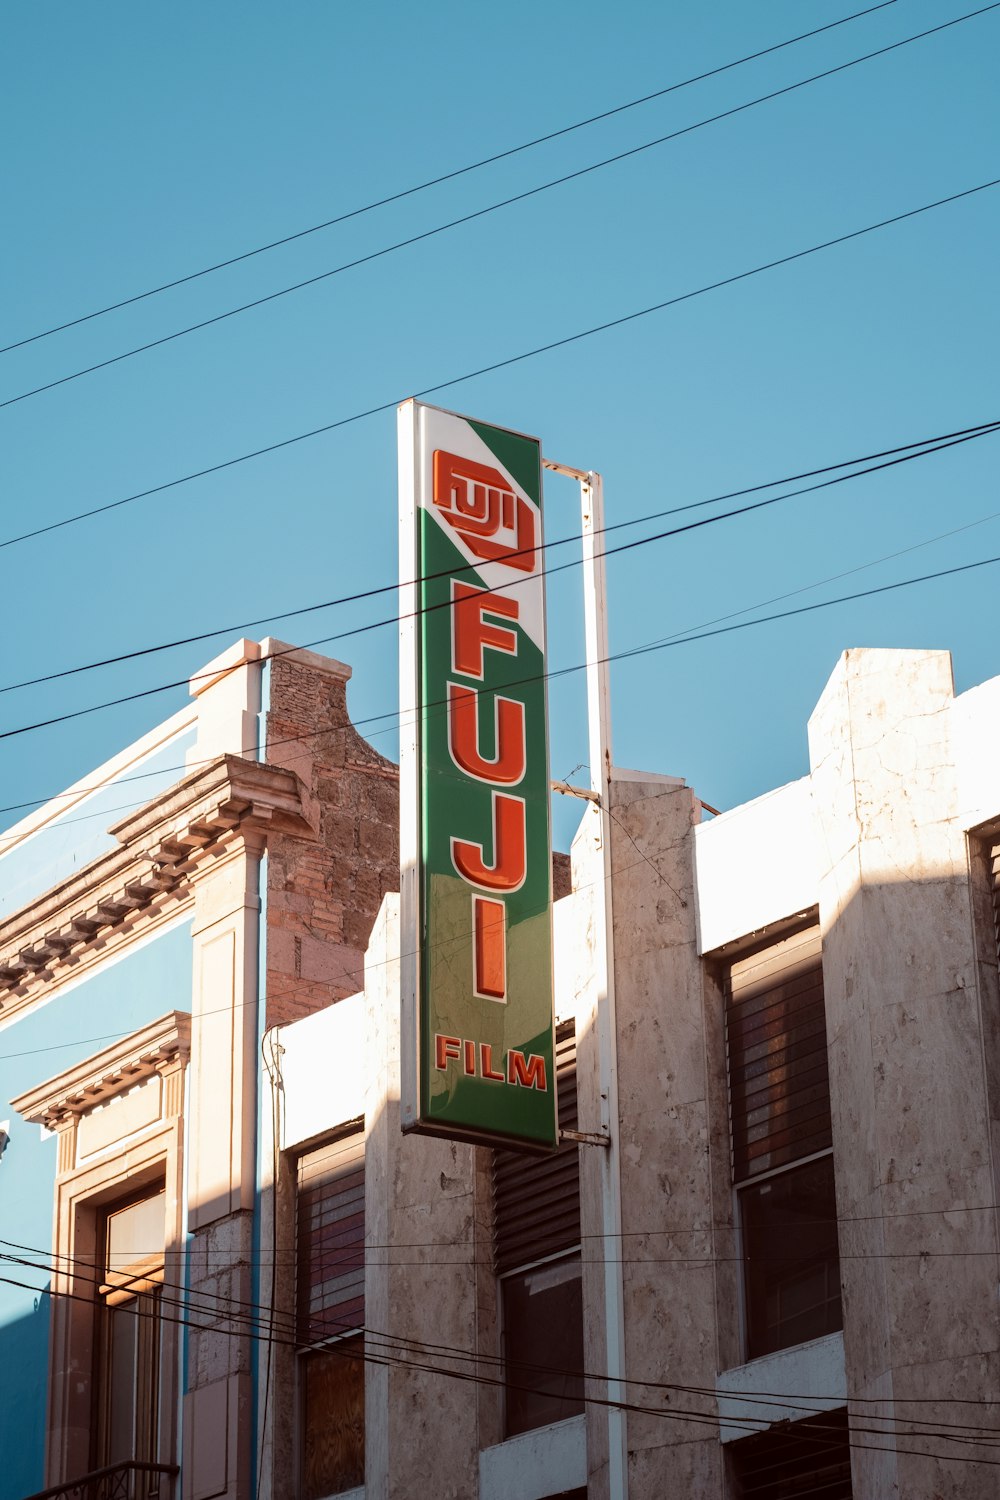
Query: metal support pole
{"points": [[599, 717]]}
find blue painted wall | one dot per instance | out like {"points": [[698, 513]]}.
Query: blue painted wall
{"points": [[66, 844], [41, 1043]]}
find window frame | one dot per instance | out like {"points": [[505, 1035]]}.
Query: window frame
{"points": [[566, 1069], [305, 1350], [804, 930], [101, 1160], [138, 1282]]}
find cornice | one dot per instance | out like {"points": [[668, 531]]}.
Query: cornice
{"points": [[150, 1050], [164, 846]]}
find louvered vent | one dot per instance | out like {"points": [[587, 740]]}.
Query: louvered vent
{"points": [[330, 1239], [802, 1458], [779, 1085], [536, 1200]]}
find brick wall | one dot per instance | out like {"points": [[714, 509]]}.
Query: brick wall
{"points": [[323, 893]]}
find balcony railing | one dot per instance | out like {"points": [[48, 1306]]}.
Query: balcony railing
{"points": [[127, 1481]]}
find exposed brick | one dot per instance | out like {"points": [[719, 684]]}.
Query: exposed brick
{"points": [[324, 892]]}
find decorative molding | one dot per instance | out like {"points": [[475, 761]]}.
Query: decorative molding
{"points": [[164, 846], [162, 1046]]}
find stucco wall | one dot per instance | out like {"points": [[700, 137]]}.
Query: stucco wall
{"points": [[80, 1019]]}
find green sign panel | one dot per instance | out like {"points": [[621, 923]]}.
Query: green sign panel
{"points": [[477, 1045]]}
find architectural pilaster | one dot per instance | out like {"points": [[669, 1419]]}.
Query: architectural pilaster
{"points": [[420, 1298], [910, 1108]]}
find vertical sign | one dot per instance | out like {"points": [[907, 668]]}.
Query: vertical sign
{"points": [[477, 1043]]}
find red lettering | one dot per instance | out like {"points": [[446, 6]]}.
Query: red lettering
{"points": [[444, 1048], [510, 855], [488, 920], [470, 1058], [470, 631], [486, 1063], [528, 1074], [478, 502], [509, 761]]}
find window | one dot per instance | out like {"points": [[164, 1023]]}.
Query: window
{"points": [[115, 1373], [536, 1204], [782, 1163], [805, 1458], [128, 1336], [330, 1262]]}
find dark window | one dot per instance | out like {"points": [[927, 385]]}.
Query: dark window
{"points": [[811, 1458], [127, 1344], [779, 1104], [330, 1269], [537, 1258], [790, 1257]]}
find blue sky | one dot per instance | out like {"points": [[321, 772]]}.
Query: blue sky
{"points": [[144, 142]]}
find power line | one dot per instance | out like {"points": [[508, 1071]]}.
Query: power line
{"points": [[647, 1233], [250, 1314], [80, 793], [501, 364], [979, 429], [347, 974], [633, 651], [442, 707], [491, 208], [444, 177], [527, 578], [383, 1357]]}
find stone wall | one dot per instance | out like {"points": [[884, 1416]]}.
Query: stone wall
{"points": [[323, 893]]}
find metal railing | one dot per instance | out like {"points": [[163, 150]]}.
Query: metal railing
{"points": [[132, 1480]]}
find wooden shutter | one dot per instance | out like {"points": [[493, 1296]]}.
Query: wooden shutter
{"points": [[330, 1239], [779, 1085], [536, 1200]]}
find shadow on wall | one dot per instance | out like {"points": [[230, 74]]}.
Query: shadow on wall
{"points": [[24, 1358]]}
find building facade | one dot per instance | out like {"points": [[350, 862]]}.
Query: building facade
{"points": [[228, 1273]]}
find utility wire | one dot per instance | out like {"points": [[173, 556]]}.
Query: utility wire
{"points": [[502, 364], [251, 1314], [527, 578], [444, 177], [652, 646], [980, 429], [424, 1366], [270, 995], [677, 637], [491, 208]]}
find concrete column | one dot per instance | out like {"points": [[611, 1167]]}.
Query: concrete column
{"points": [[421, 1425], [670, 1318], [909, 1095]]}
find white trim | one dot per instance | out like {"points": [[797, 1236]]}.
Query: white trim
{"points": [[788, 1166], [813, 1377], [409, 770], [599, 739], [98, 780], [543, 1462]]}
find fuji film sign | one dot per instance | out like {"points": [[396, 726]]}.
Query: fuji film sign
{"points": [[477, 1039]]}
